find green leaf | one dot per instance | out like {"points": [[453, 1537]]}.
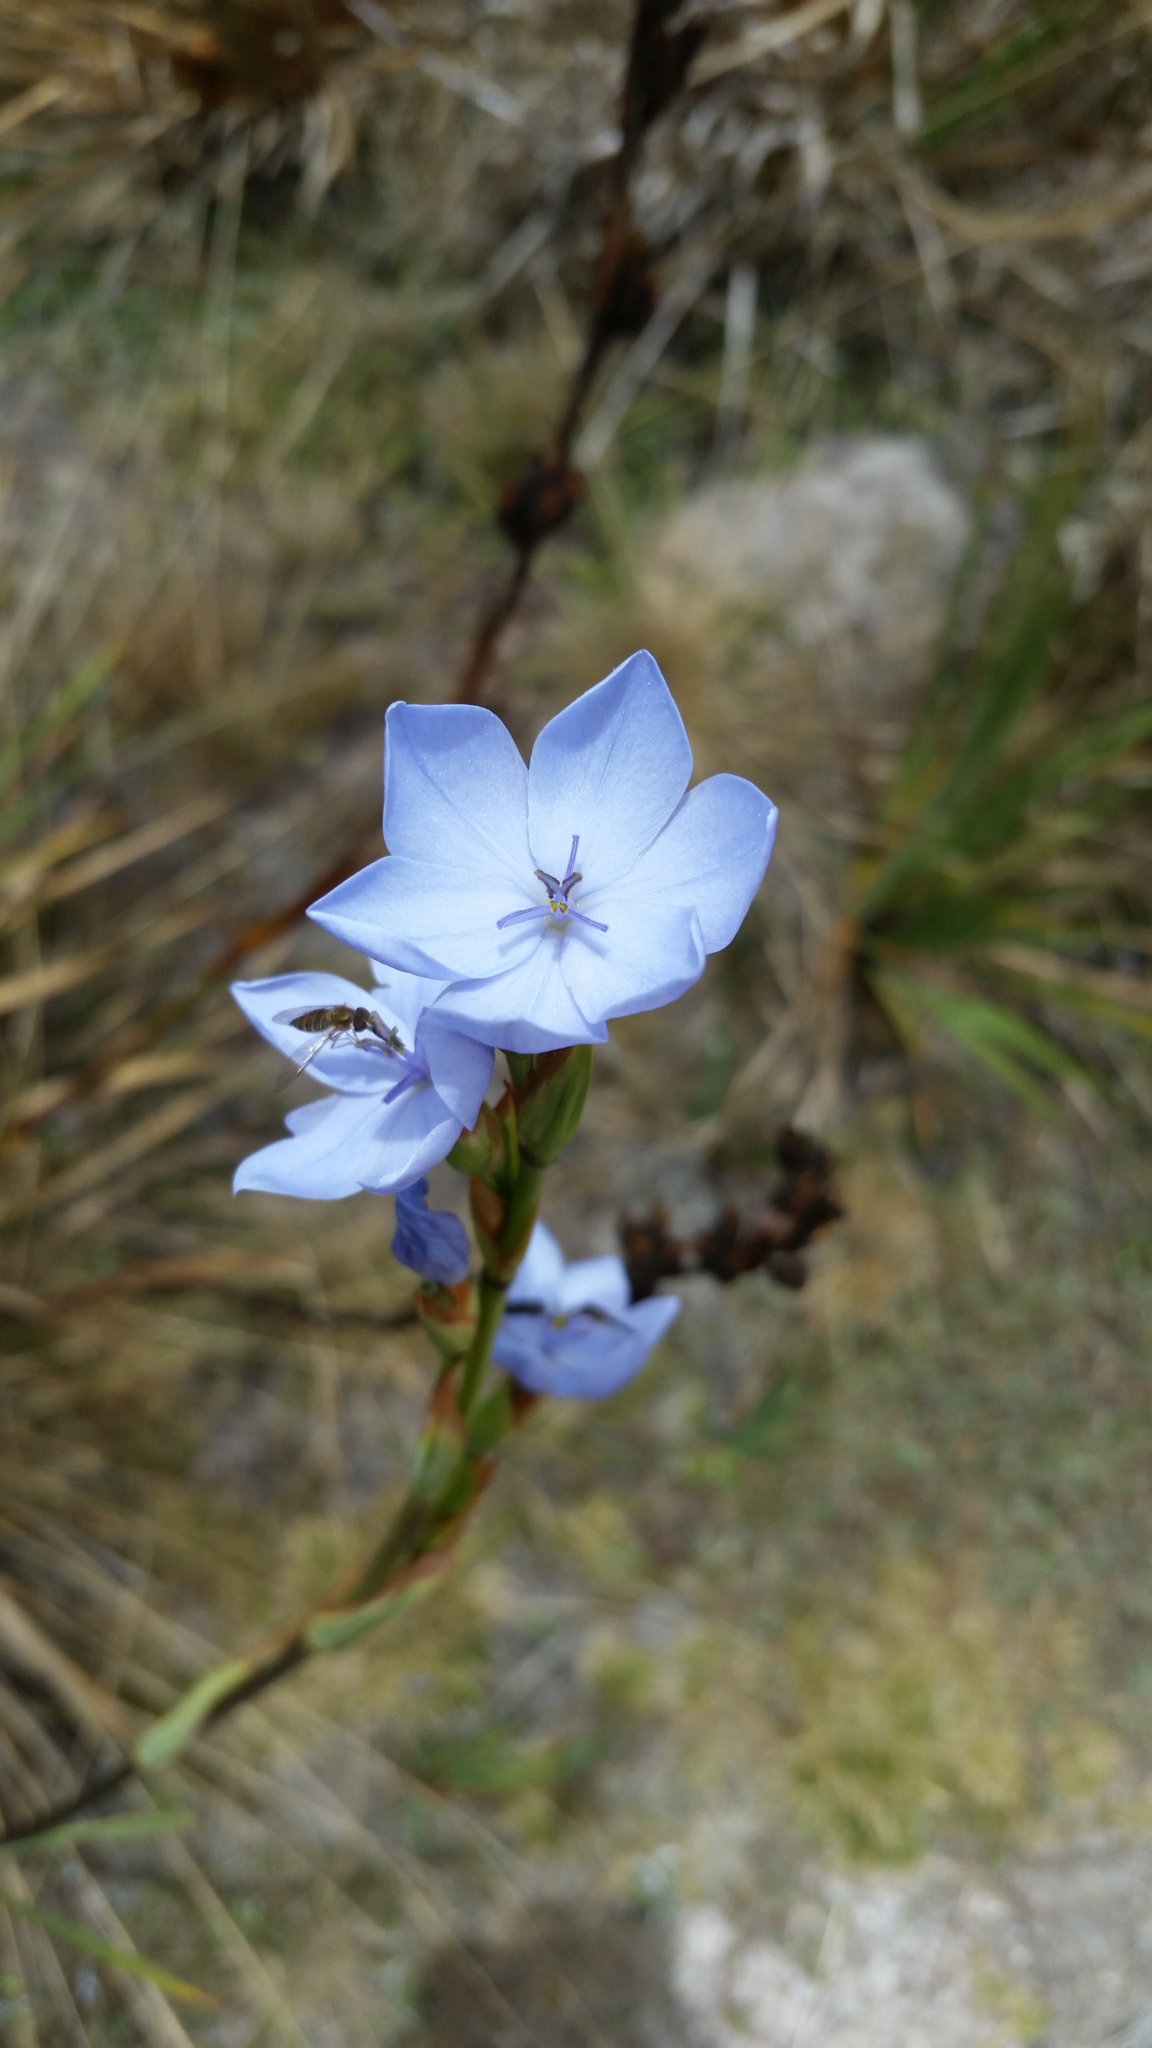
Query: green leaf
{"points": [[115, 1827], [163, 1741], [1006, 1044], [340, 1627], [102, 1951], [959, 785]]}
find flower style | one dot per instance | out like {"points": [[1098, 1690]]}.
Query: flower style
{"points": [[574, 1330], [586, 886], [431, 1242], [402, 1093]]}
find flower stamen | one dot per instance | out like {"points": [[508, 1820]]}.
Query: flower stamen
{"points": [[558, 908], [415, 1075]]}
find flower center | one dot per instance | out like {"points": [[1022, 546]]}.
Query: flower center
{"points": [[558, 909]]}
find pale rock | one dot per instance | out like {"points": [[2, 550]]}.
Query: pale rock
{"points": [[800, 617], [823, 595], [852, 555]]}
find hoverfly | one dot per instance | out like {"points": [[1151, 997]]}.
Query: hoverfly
{"points": [[340, 1021]]}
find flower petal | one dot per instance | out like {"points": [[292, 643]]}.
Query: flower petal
{"points": [[332, 1147], [351, 1068], [649, 955], [585, 1361], [541, 1271], [527, 1009], [455, 789], [430, 920], [414, 1133], [710, 857], [405, 996], [652, 1319], [461, 1067], [611, 767], [431, 1242], [594, 1283]]}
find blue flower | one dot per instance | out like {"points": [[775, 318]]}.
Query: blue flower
{"points": [[571, 1329], [430, 1241], [553, 897], [401, 1095]]}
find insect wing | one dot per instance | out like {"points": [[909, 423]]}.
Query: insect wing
{"points": [[318, 1044]]}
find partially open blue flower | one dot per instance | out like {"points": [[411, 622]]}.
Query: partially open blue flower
{"points": [[402, 1095], [574, 1330], [553, 897], [431, 1242]]}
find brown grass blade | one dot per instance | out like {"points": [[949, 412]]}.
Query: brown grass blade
{"points": [[761, 42], [93, 1709]]}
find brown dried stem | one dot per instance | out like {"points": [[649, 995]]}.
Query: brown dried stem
{"points": [[623, 297]]}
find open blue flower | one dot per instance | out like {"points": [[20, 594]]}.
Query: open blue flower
{"points": [[574, 1330], [553, 897], [402, 1093], [431, 1242]]}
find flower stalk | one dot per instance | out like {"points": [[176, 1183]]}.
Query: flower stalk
{"points": [[538, 1116], [458, 974]]}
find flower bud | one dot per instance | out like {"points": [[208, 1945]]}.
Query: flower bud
{"points": [[489, 1214], [551, 1102], [482, 1151], [448, 1317], [432, 1242]]}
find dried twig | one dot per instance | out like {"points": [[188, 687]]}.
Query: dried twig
{"points": [[624, 297]]}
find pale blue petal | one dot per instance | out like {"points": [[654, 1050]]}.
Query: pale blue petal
{"points": [[562, 1350], [404, 997], [431, 920], [710, 857], [612, 767], [351, 1068], [528, 1009], [334, 1145], [461, 1068], [540, 1274], [308, 1116], [648, 956], [594, 1283], [585, 1361], [518, 1346], [652, 1319], [430, 1242], [414, 1133], [455, 790]]}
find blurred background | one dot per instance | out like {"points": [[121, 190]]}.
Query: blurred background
{"points": [[799, 1696]]}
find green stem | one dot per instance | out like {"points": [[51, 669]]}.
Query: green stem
{"points": [[399, 1545], [523, 1202], [489, 1311]]}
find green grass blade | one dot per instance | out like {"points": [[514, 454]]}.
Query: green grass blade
{"points": [[1017, 1052], [102, 1951], [116, 1827], [80, 686]]}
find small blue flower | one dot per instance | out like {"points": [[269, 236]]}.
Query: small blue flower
{"points": [[430, 1241], [573, 1329], [586, 886], [400, 1100]]}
